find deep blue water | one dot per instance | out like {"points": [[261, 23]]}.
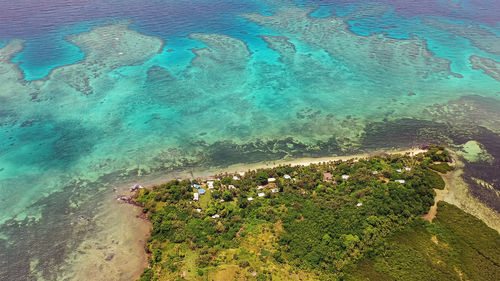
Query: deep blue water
{"points": [[45, 24]]}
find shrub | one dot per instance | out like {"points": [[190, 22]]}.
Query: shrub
{"points": [[147, 275], [244, 264], [441, 167], [434, 180], [261, 177]]}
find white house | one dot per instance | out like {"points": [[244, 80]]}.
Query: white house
{"points": [[287, 177], [359, 204], [196, 196], [271, 180], [260, 187], [274, 190], [345, 177], [210, 184], [399, 170], [250, 198], [198, 210], [262, 194], [215, 216], [231, 186], [236, 178], [375, 173], [407, 169], [400, 181]]}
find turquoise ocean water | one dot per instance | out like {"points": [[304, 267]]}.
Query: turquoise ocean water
{"points": [[95, 94]]}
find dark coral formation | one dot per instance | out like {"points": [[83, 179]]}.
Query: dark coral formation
{"points": [[479, 37], [489, 66]]}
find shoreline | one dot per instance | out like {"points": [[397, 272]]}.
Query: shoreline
{"points": [[311, 160], [236, 168]]}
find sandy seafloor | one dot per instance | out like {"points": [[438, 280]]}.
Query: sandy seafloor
{"points": [[103, 94]]}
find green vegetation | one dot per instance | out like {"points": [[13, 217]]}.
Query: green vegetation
{"points": [[441, 167], [434, 179], [318, 222], [456, 246]]}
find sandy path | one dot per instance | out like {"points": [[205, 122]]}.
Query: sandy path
{"points": [[440, 195]]}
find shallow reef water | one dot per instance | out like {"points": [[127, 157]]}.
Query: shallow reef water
{"points": [[109, 93]]}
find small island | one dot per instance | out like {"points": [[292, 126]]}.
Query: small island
{"points": [[360, 219]]}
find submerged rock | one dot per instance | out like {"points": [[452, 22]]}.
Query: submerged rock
{"points": [[124, 198], [136, 187], [109, 257]]}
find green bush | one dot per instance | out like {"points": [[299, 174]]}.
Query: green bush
{"points": [[441, 167], [244, 264], [434, 180], [147, 275], [261, 177]]}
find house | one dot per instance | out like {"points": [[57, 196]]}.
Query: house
{"points": [[375, 173], [210, 184], [201, 191], [222, 200], [269, 180], [260, 187], [236, 178], [327, 176], [215, 216], [399, 170], [359, 204], [400, 181], [262, 194], [287, 177], [198, 210], [274, 190], [250, 198], [196, 196], [231, 186], [407, 169], [344, 177]]}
